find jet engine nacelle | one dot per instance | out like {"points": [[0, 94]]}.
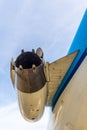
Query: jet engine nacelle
{"points": [[27, 74]]}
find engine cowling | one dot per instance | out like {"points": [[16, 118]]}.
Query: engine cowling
{"points": [[30, 84]]}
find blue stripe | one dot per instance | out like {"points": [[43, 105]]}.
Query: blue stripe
{"points": [[80, 39], [79, 43]]}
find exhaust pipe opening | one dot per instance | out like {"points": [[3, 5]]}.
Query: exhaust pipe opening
{"points": [[27, 59]]}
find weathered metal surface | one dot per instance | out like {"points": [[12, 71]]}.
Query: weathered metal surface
{"points": [[55, 72], [29, 80]]}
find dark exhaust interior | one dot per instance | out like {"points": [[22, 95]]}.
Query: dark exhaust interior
{"points": [[27, 59]]}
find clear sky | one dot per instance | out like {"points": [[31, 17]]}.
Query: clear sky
{"points": [[27, 24]]}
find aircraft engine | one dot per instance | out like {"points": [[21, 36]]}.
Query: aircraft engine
{"points": [[27, 74]]}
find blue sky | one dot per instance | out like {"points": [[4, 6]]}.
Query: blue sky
{"points": [[27, 24]]}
